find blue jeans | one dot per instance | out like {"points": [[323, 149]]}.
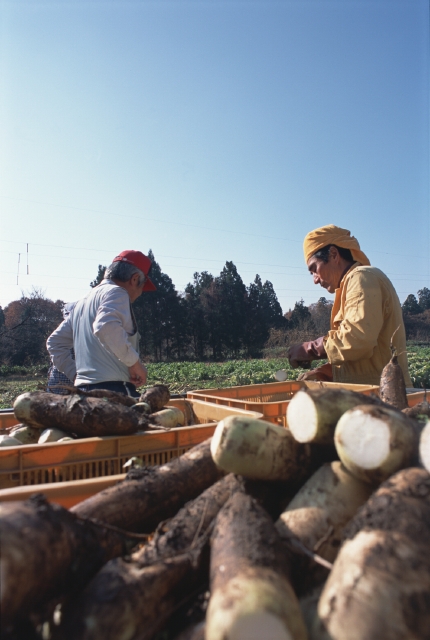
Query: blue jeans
{"points": [[126, 388]]}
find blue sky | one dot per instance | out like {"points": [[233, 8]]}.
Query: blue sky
{"points": [[212, 131]]}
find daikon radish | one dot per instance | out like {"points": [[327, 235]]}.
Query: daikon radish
{"points": [[425, 446], [157, 397], [138, 592], [375, 442], [251, 596], [317, 516], [8, 441], [169, 418], [259, 450], [380, 582], [392, 388], [52, 435], [25, 434], [77, 414], [312, 415], [152, 494], [378, 588]]}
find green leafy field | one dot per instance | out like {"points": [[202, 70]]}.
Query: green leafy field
{"points": [[179, 376], [185, 376], [419, 366]]}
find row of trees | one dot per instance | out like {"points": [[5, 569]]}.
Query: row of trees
{"points": [[218, 317], [414, 306], [416, 314], [214, 318]]}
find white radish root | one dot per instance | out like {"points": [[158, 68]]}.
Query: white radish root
{"points": [[52, 435], [257, 449], [251, 597], [378, 588], [168, 418], [8, 441], [26, 435], [317, 516], [425, 447], [375, 442], [312, 415]]}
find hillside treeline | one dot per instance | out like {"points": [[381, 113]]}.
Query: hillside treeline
{"points": [[416, 314], [215, 318]]}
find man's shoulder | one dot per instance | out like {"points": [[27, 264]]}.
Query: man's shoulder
{"points": [[367, 272], [105, 295], [367, 275], [107, 289]]}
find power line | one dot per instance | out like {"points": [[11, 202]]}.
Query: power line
{"points": [[170, 222], [181, 287], [179, 266], [183, 224], [257, 264], [412, 278], [46, 275]]}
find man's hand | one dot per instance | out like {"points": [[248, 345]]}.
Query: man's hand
{"points": [[138, 373], [306, 352], [320, 374]]}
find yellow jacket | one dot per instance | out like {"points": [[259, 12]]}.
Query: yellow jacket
{"points": [[366, 312]]}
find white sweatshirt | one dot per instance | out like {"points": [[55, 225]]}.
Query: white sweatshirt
{"points": [[102, 331]]}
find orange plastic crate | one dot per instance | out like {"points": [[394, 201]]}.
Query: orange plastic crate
{"points": [[65, 493], [416, 397], [88, 458], [7, 419], [270, 399]]}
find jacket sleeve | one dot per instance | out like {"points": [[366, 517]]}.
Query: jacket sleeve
{"points": [[59, 345], [357, 335], [113, 324]]}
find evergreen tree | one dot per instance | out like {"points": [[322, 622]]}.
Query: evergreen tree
{"points": [[257, 328], [231, 312], [424, 298], [99, 277], [195, 313], [411, 305], [212, 308], [272, 308], [300, 316], [160, 318], [263, 313]]}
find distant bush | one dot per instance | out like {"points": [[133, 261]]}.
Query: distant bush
{"points": [[417, 326]]}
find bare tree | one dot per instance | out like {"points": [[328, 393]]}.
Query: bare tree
{"points": [[27, 324]]}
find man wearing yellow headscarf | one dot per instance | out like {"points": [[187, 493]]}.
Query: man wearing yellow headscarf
{"points": [[366, 313]]}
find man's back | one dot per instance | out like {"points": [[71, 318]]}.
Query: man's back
{"points": [[366, 315], [100, 319]]}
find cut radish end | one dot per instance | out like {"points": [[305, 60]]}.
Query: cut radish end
{"points": [[425, 447], [258, 626], [281, 375], [302, 418], [365, 439]]}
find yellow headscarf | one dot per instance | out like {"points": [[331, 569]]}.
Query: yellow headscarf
{"points": [[330, 234]]}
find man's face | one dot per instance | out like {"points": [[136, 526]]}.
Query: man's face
{"points": [[326, 274]]}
